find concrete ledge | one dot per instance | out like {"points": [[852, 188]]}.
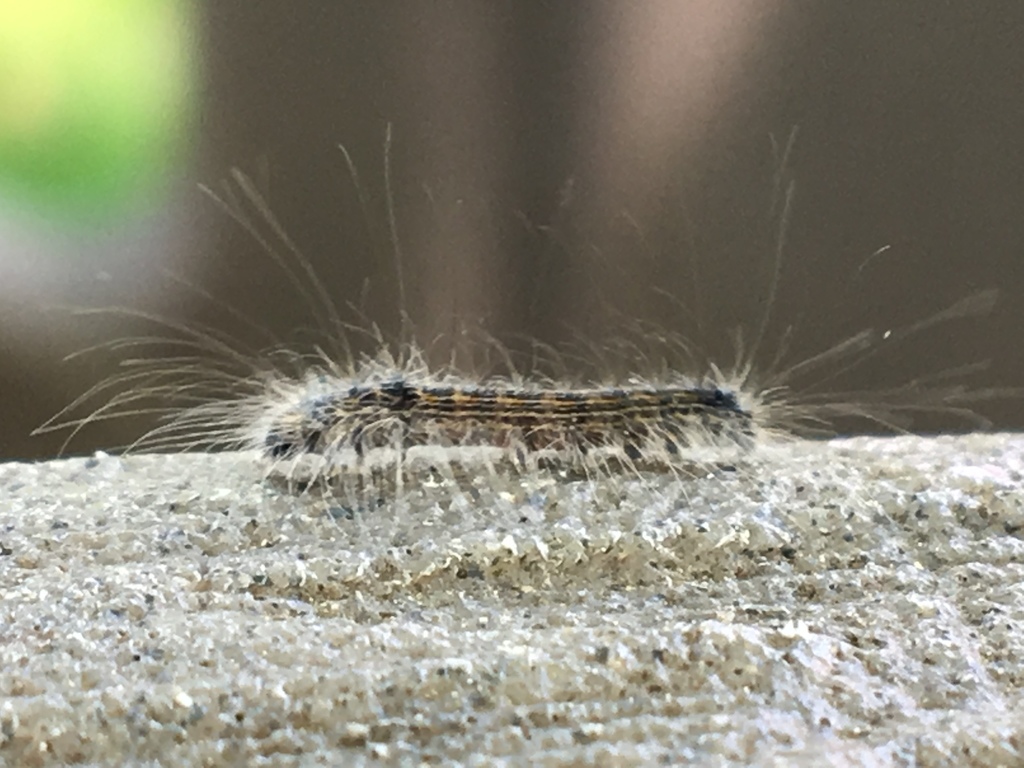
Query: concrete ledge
{"points": [[860, 599]]}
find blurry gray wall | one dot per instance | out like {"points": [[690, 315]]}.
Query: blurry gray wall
{"points": [[554, 166]]}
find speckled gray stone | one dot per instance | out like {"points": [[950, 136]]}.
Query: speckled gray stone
{"points": [[860, 599]]}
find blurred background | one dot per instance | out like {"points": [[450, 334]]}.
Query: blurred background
{"points": [[556, 169]]}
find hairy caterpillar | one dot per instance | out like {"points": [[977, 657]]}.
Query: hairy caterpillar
{"points": [[338, 414]]}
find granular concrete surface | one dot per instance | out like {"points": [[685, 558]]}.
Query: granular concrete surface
{"points": [[854, 602]]}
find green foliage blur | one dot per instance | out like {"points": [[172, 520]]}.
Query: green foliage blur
{"points": [[96, 100]]}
